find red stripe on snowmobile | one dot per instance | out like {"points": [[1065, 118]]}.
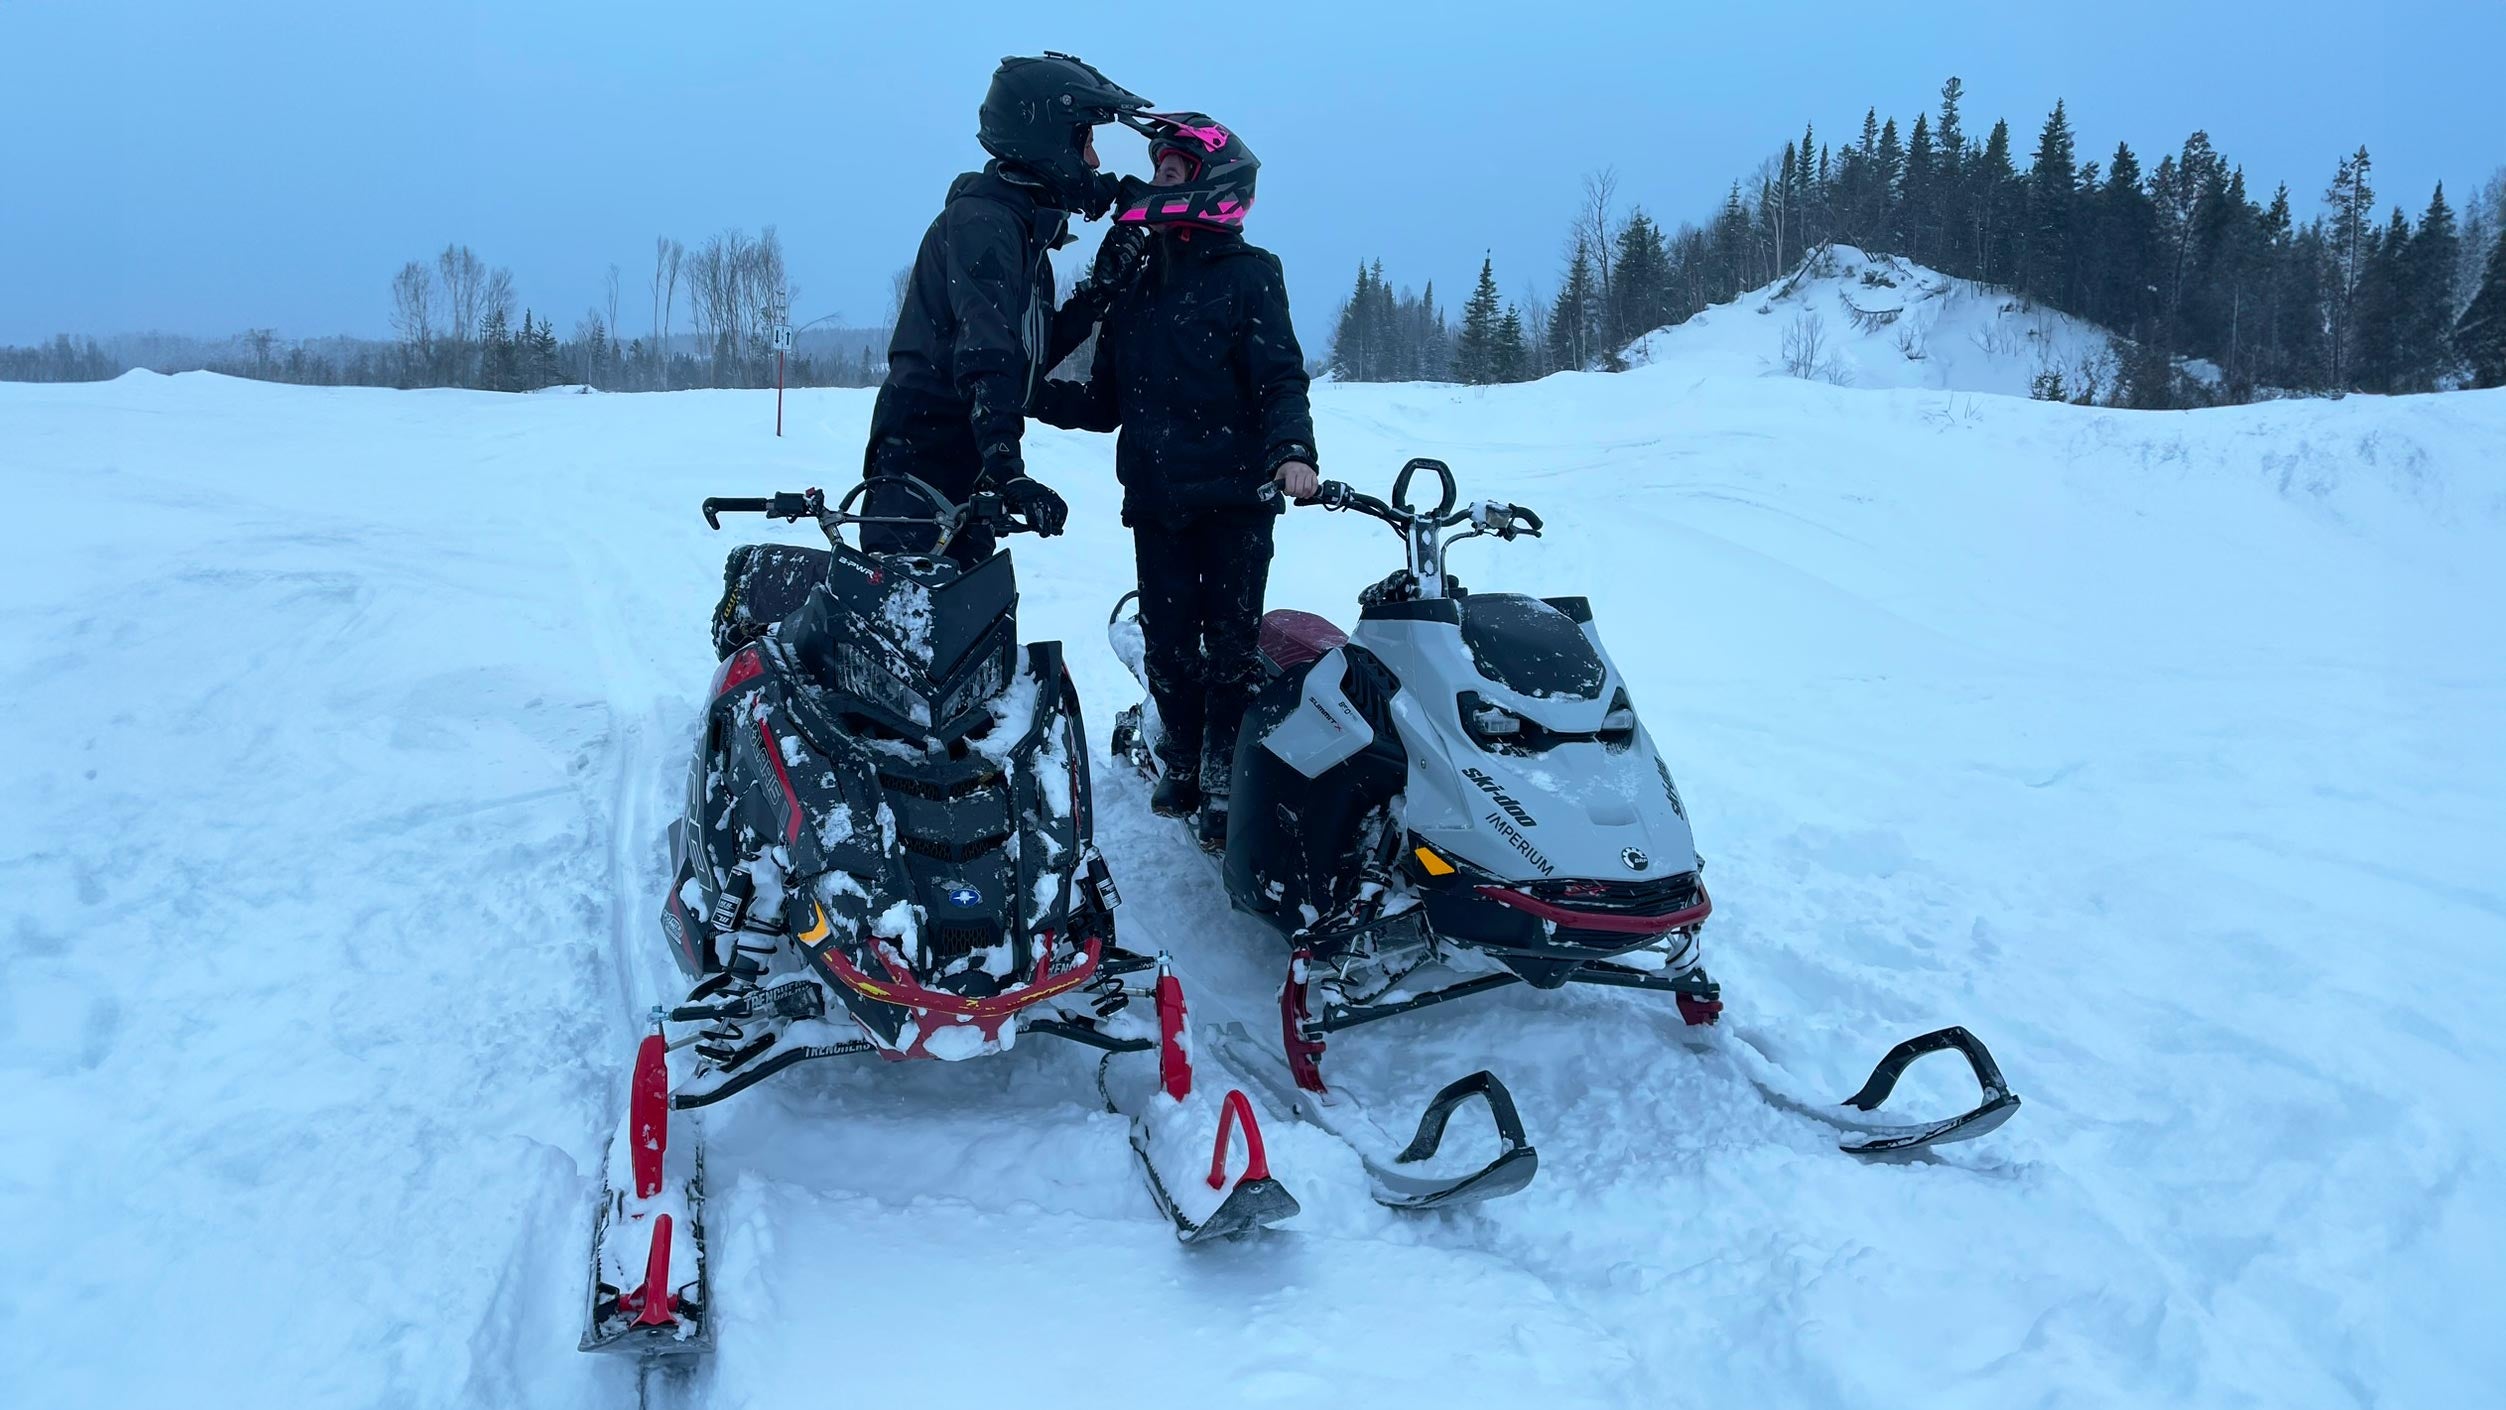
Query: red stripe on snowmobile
{"points": [[791, 795], [655, 1298], [1602, 920], [901, 988], [648, 1114], [1256, 1164], [744, 666]]}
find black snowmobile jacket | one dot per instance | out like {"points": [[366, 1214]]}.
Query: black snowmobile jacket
{"points": [[1198, 366], [977, 330]]}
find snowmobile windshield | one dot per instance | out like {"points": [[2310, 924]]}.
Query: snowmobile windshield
{"points": [[1530, 647]]}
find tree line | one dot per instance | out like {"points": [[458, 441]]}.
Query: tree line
{"points": [[458, 322], [2182, 261]]}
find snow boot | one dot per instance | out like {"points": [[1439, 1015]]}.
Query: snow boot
{"points": [[1176, 795]]}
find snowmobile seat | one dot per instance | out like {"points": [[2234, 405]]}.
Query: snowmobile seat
{"points": [[1291, 638], [763, 583]]}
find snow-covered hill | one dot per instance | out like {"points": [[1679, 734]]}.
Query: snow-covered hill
{"points": [[2162, 749], [1858, 320]]}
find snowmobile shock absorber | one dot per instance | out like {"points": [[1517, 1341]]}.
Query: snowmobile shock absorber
{"points": [[1174, 1065], [649, 1113], [1304, 1047]]}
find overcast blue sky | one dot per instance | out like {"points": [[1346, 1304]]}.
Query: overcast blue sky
{"points": [[200, 168]]}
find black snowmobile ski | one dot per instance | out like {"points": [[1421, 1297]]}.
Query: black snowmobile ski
{"points": [[1398, 1178], [1873, 1140]]}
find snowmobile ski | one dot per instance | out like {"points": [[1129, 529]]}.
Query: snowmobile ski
{"points": [[650, 1286], [1873, 1140], [1398, 1179]]}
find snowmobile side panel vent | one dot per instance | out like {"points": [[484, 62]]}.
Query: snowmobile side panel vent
{"points": [[950, 942], [938, 790], [943, 850]]}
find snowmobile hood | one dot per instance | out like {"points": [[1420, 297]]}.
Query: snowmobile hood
{"points": [[912, 641], [1556, 782]]}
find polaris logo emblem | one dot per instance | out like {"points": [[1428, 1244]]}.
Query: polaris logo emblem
{"points": [[1497, 794], [961, 895], [1636, 860]]}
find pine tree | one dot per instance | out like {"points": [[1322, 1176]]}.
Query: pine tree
{"points": [[2480, 335], [1643, 288], [2427, 288], [2127, 245], [1575, 323], [1509, 359], [1916, 195], [1474, 354], [2047, 240], [2351, 244], [1956, 244], [1996, 196], [1355, 341], [1888, 171], [2380, 310]]}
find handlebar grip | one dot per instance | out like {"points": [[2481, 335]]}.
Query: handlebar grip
{"points": [[716, 506], [781, 505], [1530, 520], [1332, 494]]}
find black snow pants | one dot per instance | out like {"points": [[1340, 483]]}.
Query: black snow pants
{"points": [[932, 440], [1201, 582]]}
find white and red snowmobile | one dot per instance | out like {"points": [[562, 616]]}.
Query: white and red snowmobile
{"points": [[1458, 797], [886, 851]]}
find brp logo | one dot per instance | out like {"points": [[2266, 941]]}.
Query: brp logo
{"points": [[1636, 860]]}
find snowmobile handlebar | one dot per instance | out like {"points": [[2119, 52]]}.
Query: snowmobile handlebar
{"points": [[984, 508], [1487, 516]]}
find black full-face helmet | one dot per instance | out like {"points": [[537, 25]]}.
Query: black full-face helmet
{"points": [[1218, 194], [1036, 117]]}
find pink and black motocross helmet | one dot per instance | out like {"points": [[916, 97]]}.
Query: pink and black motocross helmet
{"points": [[1220, 191]]}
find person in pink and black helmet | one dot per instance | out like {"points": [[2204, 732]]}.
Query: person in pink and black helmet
{"points": [[1198, 366]]}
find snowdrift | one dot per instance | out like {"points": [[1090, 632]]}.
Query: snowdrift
{"points": [[1852, 319], [2162, 749]]}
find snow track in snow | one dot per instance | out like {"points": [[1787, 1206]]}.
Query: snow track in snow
{"points": [[2159, 749]]}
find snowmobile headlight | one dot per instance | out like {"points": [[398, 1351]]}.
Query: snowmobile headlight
{"points": [[1486, 719], [1493, 727], [859, 674], [986, 681]]}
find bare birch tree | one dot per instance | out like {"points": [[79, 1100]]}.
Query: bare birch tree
{"points": [[413, 316]]}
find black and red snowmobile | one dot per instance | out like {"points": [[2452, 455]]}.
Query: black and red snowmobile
{"points": [[1458, 797], [887, 851]]}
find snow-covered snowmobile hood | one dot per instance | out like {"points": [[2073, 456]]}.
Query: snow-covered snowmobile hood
{"points": [[912, 639]]}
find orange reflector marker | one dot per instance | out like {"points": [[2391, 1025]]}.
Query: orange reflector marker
{"points": [[1435, 865]]}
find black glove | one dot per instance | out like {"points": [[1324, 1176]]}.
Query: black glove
{"points": [[1118, 262], [1118, 258], [1044, 511]]}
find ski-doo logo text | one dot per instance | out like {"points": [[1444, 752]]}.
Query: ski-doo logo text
{"points": [[1502, 798]]}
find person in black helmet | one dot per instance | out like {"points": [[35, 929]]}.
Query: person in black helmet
{"points": [[977, 328], [1197, 364]]}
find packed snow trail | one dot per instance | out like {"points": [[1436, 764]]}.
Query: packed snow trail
{"points": [[2163, 750]]}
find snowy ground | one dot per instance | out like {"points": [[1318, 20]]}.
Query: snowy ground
{"points": [[2163, 750]]}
